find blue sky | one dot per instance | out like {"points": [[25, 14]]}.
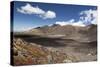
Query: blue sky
{"points": [[28, 15]]}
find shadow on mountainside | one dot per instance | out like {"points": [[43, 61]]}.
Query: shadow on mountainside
{"points": [[55, 42], [44, 41]]}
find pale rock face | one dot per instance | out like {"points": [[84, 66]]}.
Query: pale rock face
{"points": [[67, 61], [19, 41]]}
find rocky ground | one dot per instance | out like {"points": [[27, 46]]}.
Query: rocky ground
{"points": [[55, 44], [44, 50], [25, 53]]}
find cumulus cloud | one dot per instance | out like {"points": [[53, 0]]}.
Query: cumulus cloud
{"points": [[65, 22], [29, 9], [78, 23], [70, 22], [48, 14], [87, 17]]}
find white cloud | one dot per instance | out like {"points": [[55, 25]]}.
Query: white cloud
{"points": [[89, 16], [79, 23], [49, 14], [29, 9], [70, 22], [62, 23], [86, 17]]}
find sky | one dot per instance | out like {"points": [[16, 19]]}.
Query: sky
{"points": [[27, 15]]}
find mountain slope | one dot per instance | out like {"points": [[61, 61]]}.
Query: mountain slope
{"points": [[88, 33], [30, 53]]}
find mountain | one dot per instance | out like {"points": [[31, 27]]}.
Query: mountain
{"points": [[87, 33], [55, 44]]}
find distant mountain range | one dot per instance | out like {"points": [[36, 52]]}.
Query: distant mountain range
{"points": [[79, 33], [87, 33]]}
